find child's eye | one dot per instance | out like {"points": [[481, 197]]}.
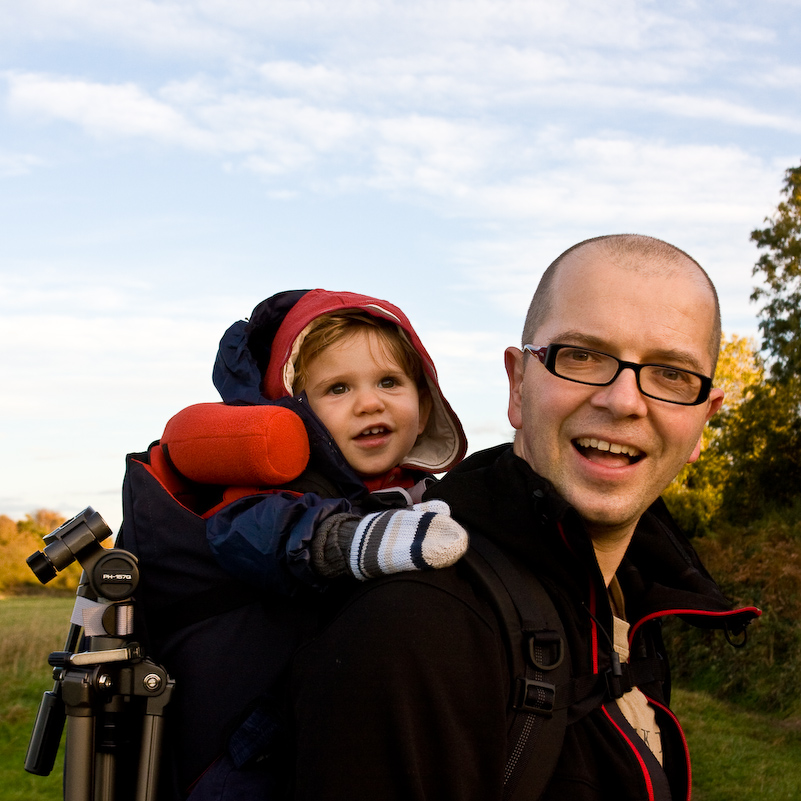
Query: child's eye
{"points": [[338, 389], [388, 382]]}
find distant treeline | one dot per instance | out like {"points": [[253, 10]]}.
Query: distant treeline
{"points": [[21, 538]]}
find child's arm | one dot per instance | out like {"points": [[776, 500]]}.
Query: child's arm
{"points": [[422, 537], [279, 541], [266, 539]]}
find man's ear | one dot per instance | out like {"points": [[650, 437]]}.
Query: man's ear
{"points": [[714, 403], [513, 360]]}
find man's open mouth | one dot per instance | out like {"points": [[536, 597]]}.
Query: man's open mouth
{"points": [[597, 449]]}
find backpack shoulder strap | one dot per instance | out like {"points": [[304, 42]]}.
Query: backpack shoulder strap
{"points": [[539, 666]]}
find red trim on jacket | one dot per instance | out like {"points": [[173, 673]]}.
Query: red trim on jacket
{"points": [[645, 772], [687, 761], [594, 627], [697, 612]]}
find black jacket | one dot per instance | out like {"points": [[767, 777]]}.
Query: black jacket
{"points": [[404, 695]]}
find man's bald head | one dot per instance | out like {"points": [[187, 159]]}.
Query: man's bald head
{"points": [[628, 251]]}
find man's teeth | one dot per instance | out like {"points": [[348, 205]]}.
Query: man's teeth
{"points": [[612, 447]]}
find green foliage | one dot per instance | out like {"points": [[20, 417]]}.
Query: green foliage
{"points": [[755, 565], [697, 494], [780, 267], [761, 440]]}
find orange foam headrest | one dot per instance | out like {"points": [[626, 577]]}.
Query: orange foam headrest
{"points": [[237, 445]]}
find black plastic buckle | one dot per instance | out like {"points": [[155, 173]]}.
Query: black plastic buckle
{"points": [[542, 644], [618, 678], [538, 697]]}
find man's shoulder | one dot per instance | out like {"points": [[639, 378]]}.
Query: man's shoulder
{"points": [[433, 598], [475, 483]]}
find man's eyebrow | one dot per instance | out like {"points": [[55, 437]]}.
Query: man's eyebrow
{"points": [[669, 356]]}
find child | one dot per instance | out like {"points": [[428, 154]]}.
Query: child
{"points": [[353, 369]]}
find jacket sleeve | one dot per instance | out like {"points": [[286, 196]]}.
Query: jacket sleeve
{"points": [[401, 698], [265, 539]]}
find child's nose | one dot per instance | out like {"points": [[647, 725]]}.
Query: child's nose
{"points": [[369, 401]]}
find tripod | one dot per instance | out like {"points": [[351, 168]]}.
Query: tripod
{"points": [[107, 691]]}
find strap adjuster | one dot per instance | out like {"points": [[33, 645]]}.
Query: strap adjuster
{"points": [[538, 697]]}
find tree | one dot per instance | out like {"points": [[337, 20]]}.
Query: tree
{"points": [[696, 495], [762, 443], [18, 540], [780, 267]]}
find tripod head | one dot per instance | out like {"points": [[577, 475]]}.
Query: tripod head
{"points": [[110, 573]]}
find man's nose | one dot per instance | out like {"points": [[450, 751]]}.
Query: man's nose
{"points": [[622, 396]]}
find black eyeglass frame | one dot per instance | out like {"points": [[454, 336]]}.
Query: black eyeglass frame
{"points": [[547, 356]]}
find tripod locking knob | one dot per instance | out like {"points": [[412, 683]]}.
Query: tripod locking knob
{"points": [[59, 659]]}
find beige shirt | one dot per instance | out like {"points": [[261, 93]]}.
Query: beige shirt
{"points": [[634, 705]]}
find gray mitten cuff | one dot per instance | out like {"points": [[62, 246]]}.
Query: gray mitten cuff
{"points": [[330, 545]]}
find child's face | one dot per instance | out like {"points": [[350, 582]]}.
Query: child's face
{"points": [[369, 405]]}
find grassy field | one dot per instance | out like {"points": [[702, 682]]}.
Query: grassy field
{"points": [[30, 628], [736, 754]]}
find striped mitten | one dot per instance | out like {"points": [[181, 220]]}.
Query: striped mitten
{"points": [[422, 537]]}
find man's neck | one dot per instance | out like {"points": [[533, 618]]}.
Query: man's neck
{"points": [[610, 548]]}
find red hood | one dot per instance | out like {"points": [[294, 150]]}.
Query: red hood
{"points": [[441, 446]]}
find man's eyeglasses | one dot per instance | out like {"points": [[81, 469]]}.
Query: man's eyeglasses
{"points": [[659, 381]]}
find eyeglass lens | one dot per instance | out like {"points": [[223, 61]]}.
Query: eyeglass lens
{"points": [[589, 367]]}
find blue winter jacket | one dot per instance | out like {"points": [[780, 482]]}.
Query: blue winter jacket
{"points": [[264, 539]]}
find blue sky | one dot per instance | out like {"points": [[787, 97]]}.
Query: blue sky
{"points": [[166, 165]]}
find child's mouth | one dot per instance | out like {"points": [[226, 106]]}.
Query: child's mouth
{"points": [[368, 433]]}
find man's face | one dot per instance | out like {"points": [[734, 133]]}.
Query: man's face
{"points": [[610, 451]]}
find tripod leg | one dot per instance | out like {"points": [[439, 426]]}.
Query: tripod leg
{"points": [[79, 758], [105, 776], [149, 757]]}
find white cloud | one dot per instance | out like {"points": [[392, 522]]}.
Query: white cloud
{"points": [[434, 125], [103, 110], [17, 163], [168, 27], [724, 112]]}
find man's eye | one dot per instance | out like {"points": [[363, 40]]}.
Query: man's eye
{"points": [[579, 355], [674, 376]]}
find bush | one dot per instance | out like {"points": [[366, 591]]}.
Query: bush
{"points": [[757, 565], [20, 539]]}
